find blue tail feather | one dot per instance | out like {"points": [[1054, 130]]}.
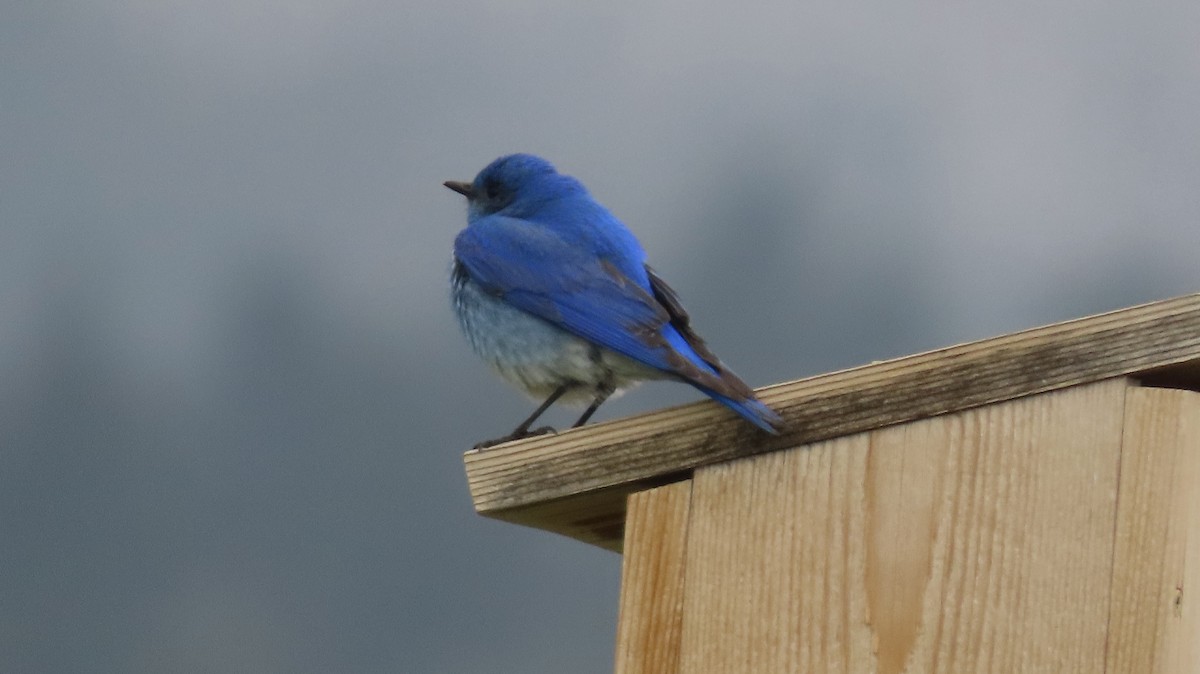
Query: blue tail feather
{"points": [[753, 411]]}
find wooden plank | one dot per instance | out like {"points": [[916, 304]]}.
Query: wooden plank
{"points": [[1159, 340], [975, 542], [775, 564], [1155, 617], [596, 517], [652, 572]]}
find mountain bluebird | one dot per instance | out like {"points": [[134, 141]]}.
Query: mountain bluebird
{"points": [[555, 294]]}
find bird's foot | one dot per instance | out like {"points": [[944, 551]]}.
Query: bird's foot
{"points": [[544, 430]]}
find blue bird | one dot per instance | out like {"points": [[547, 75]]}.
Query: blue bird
{"points": [[554, 293]]}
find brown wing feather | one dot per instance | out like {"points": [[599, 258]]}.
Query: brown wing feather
{"points": [[730, 384]]}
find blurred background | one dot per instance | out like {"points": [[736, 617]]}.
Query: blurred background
{"points": [[233, 397]]}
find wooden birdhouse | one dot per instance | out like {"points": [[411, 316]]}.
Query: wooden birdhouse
{"points": [[1028, 503]]}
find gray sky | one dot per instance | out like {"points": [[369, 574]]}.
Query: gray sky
{"points": [[233, 399]]}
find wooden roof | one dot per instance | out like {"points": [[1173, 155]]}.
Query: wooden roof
{"points": [[575, 483]]}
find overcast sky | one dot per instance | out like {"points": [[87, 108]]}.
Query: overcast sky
{"points": [[233, 397]]}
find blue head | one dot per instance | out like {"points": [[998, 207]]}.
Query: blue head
{"points": [[517, 185]]}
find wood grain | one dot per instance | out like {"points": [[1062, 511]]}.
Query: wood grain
{"points": [[514, 482], [652, 572], [974, 542], [775, 564], [1155, 617]]}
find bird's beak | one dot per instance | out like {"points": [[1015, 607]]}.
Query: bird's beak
{"points": [[462, 188]]}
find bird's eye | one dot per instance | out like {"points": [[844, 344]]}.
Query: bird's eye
{"points": [[491, 189]]}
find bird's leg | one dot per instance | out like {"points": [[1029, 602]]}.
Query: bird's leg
{"points": [[601, 396], [523, 431]]}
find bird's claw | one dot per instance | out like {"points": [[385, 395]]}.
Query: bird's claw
{"points": [[544, 430]]}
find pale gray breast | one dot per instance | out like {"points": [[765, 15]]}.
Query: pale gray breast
{"points": [[531, 353]]}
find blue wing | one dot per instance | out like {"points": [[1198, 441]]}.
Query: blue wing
{"points": [[533, 268], [616, 303]]}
